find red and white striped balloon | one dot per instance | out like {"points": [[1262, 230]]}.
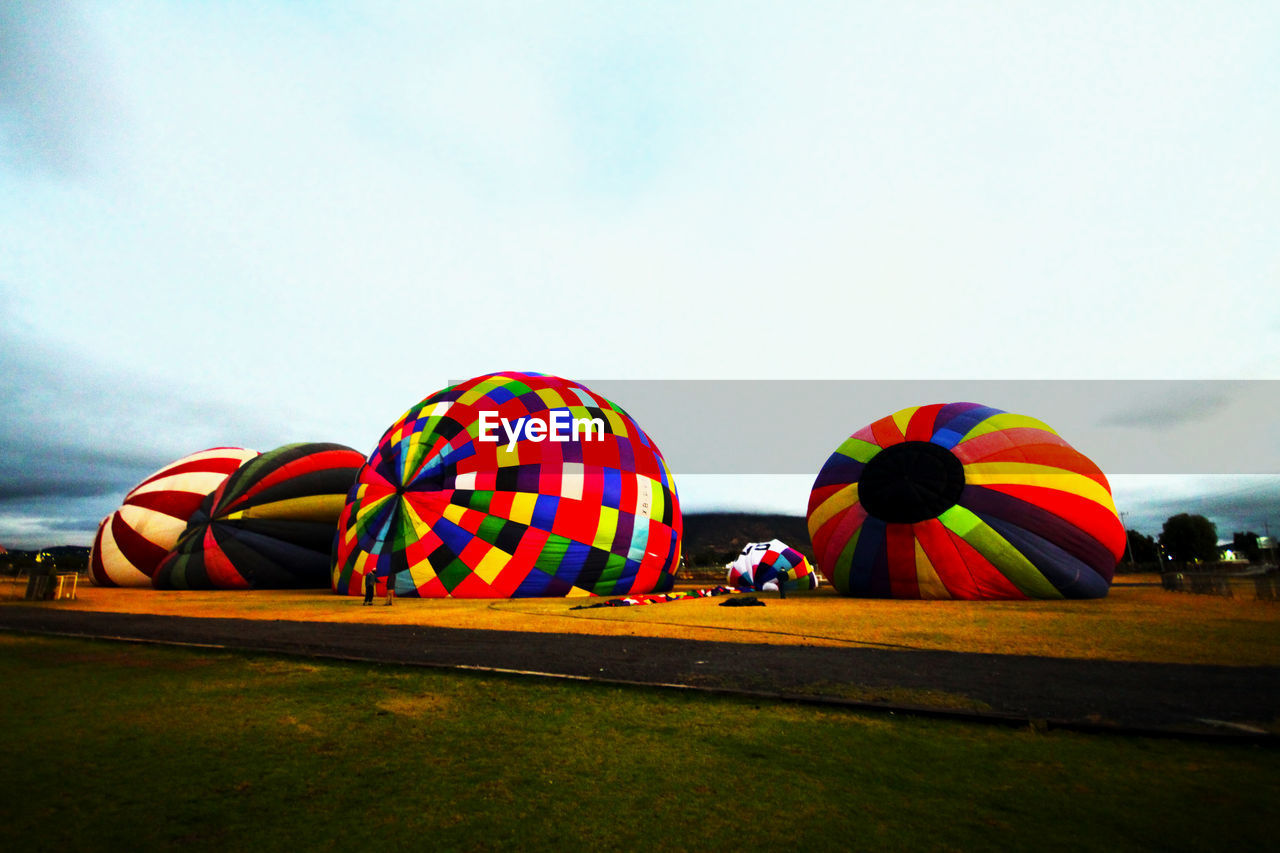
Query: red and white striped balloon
{"points": [[133, 540]]}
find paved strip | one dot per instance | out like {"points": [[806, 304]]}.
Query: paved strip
{"points": [[1083, 693]]}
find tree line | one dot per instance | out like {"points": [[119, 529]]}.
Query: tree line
{"points": [[1186, 539]]}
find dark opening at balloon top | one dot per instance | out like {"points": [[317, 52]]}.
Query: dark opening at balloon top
{"points": [[911, 482], [961, 500]]}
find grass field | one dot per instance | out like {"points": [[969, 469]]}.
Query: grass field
{"points": [[1131, 624], [127, 747]]}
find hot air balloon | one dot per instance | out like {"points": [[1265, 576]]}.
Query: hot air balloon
{"points": [[764, 566], [269, 526], [132, 541], [512, 485], [963, 501]]}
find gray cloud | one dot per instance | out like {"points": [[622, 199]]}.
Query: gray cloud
{"points": [[1252, 507], [1231, 503], [71, 430], [1172, 411], [34, 469], [76, 436], [53, 520], [88, 524]]}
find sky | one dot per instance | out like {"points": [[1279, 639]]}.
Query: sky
{"points": [[257, 223]]}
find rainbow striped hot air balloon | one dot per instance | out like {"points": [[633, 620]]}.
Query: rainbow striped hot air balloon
{"points": [[962, 500]]}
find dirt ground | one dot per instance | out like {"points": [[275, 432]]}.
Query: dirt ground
{"points": [[1136, 622]]}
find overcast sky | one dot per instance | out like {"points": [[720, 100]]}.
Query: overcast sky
{"points": [[256, 223]]}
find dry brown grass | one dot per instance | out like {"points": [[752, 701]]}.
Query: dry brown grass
{"points": [[1133, 623]]}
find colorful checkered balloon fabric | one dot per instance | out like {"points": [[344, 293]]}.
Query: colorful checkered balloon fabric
{"points": [[964, 501], [438, 511], [269, 526], [774, 562], [132, 541]]}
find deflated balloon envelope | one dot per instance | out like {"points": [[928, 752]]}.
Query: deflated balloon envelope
{"points": [[133, 540], [966, 501], [269, 526], [771, 564], [437, 511]]}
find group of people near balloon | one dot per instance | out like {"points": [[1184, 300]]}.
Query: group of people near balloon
{"points": [[955, 500]]}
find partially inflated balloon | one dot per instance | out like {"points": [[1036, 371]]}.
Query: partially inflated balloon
{"points": [[963, 501], [269, 526], [770, 565], [132, 541], [511, 484]]}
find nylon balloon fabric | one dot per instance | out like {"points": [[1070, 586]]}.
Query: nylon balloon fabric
{"points": [[769, 565], [269, 526], [571, 497], [963, 501], [133, 540]]}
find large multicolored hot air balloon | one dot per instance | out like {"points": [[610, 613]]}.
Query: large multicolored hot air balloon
{"points": [[965, 501], [269, 526], [507, 485], [132, 541], [764, 566]]}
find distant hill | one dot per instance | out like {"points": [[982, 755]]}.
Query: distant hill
{"points": [[69, 551], [715, 538]]}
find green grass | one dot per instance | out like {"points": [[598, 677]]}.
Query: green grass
{"points": [[126, 747]]}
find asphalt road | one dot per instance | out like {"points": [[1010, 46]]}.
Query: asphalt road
{"points": [[1080, 693]]}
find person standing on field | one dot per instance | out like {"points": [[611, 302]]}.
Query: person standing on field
{"points": [[369, 583]]}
